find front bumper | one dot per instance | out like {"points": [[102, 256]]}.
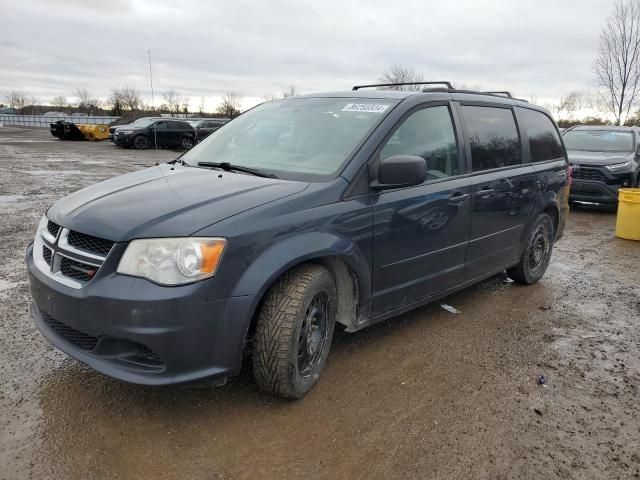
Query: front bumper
{"points": [[602, 190], [122, 140], [139, 332]]}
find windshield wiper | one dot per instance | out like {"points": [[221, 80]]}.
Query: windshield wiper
{"points": [[238, 168]]}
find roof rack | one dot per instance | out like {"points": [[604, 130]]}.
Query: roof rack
{"points": [[502, 93], [358, 87]]}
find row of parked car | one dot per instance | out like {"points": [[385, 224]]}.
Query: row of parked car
{"points": [[164, 132]]}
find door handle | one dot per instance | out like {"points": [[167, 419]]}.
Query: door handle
{"points": [[485, 192], [458, 198]]}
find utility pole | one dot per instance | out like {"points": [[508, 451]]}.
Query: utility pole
{"points": [[153, 105]]}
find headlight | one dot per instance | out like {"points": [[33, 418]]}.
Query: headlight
{"points": [[124, 132], [172, 261], [620, 166]]}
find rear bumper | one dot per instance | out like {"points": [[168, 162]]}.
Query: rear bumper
{"points": [[139, 332]]}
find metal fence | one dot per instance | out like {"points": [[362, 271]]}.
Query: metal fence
{"points": [[40, 121]]}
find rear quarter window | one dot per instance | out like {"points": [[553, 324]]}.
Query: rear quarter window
{"points": [[492, 136], [544, 141]]}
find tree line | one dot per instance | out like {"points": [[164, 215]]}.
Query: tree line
{"points": [[121, 101]]}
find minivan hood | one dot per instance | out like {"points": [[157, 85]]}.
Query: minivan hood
{"points": [[164, 201], [598, 158]]}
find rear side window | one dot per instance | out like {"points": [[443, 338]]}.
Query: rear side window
{"points": [[493, 137], [544, 141]]}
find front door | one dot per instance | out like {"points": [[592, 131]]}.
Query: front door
{"points": [[421, 232], [503, 189], [159, 134]]}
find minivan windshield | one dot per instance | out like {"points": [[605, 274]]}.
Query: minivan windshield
{"points": [[599, 140], [302, 137]]}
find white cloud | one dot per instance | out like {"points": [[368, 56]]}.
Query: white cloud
{"points": [[544, 48]]}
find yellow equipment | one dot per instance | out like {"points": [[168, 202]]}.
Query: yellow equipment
{"points": [[94, 133], [628, 221]]}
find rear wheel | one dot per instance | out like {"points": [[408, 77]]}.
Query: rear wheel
{"points": [[294, 331], [186, 142], [140, 142], [537, 253]]}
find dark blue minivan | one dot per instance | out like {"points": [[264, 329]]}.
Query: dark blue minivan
{"points": [[347, 208]]}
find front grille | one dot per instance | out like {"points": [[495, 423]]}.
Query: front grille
{"points": [[71, 258], [46, 254], [95, 245], [79, 339], [76, 270], [589, 174], [53, 228]]}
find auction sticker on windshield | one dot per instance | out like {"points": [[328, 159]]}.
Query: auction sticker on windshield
{"points": [[365, 107]]}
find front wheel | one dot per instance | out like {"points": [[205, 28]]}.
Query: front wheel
{"points": [[140, 142], [537, 253], [294, 331]]}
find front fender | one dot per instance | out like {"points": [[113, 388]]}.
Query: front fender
{"points": [[293, 251]]}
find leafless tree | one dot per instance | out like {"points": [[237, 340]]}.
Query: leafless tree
{"points": [[617, 66], [116, 101], [85, 100], [401, 74], [291, 92], [17, 99], [270, 97], [131, 98], [59, 101], [174, 102], [230, 105], [569, 104], [203, 101]]}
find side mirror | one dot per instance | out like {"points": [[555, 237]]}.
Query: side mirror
{"points": [[399, 171]]}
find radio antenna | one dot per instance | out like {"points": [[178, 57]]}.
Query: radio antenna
{"points": [[153, 105]]}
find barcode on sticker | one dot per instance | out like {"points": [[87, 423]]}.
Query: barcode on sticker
{"points": [[365, 107]]}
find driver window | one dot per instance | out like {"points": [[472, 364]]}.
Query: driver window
{"points": [[160, 126], [427, 133]]}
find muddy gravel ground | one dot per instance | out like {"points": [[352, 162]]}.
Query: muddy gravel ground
{"points": [[428, 394]]}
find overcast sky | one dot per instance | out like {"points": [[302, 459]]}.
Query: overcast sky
{"points": [[540, 48]]}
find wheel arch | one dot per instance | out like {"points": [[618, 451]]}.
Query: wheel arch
{"points": [[344, 260]]}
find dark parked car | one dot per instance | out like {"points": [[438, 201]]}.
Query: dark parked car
{"points": [[206, 127], [345, 208], [132, 125], [166, 132], [603, 159]]}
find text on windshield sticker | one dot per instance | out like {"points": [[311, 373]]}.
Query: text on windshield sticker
{"points": [[365, 107]]}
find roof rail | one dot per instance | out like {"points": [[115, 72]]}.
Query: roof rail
{"points": [[358, 87], [503, 93]]}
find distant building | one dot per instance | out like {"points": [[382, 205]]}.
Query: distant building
{"points": [[8, 111]]}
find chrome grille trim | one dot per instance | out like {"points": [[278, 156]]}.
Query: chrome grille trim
{"points": [[60, 248]]}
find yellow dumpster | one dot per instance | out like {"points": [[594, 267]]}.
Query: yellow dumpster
{"points": [[94, 133], [628, 221]]}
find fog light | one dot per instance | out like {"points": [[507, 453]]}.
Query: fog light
{"points": [[625, 183]]}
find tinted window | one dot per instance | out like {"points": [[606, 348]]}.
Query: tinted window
{"points": [[544, 142], [429, 134], [493, 137], [161, 126]]}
